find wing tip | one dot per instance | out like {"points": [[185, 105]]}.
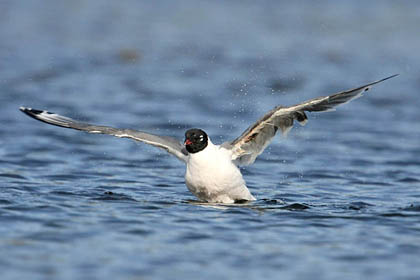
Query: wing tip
{"points": [[392, 76], [35, 113], [25, 109], [387, 78], [369, 86], [30, 110]]}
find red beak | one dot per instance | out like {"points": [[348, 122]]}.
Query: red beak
{"points": [[187, 142]]}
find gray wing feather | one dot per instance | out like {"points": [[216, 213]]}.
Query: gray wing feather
{"points": [[256, 138], [170, 144]]}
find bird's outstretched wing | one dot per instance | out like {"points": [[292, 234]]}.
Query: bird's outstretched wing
{"points": [[171, 145], [256, 138]]}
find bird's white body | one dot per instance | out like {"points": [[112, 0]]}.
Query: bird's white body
{"points": [[212, 173], [213, 177]]}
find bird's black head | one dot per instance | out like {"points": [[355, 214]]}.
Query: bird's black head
{"points": [[195, 140]]}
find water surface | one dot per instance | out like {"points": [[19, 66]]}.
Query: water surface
{"points": [[337, 199]]}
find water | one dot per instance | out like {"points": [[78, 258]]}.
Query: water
{"points": [[337, 199]]}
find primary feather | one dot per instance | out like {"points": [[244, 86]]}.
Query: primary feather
{"points": [[256, 138], [171, 145]]}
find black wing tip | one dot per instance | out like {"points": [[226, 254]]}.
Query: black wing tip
{"points": [[34, 113], [31, 111], [392, 76], [368, 86]]}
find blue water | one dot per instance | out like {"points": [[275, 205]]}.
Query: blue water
{"points": [[337, 199]]}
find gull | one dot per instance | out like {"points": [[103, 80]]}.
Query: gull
{"points": [[212, 171]]}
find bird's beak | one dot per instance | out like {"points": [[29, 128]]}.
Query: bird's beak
{"points": [[187, 142]]}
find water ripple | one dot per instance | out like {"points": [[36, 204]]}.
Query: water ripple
{"points": [[337, 199]]}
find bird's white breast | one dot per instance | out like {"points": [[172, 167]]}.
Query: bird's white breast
{"points": [[212, 176]]}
